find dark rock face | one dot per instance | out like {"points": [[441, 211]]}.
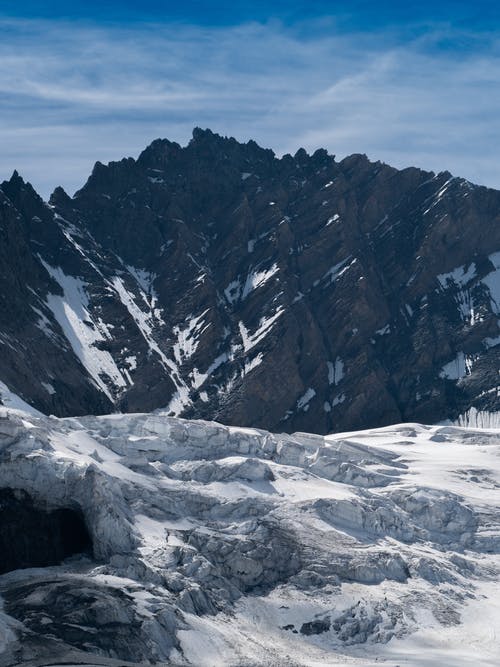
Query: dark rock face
{"points": [[316, 627], [82, 616], [219, 282], [31, 537]]}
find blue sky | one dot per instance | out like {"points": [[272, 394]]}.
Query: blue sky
{"points": [[350, 13], [407, 83]]}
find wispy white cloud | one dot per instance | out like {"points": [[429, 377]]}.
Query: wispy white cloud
{"points": [[72, 94]]}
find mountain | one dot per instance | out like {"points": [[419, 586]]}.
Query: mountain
{"points": [[218, 281], [152, 540]]}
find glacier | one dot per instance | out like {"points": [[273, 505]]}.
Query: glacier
{"points": [[214, 545]]}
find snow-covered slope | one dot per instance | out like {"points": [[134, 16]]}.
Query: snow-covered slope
{"points": [[214, 545]]}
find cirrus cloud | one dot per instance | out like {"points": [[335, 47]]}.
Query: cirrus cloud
{"points": [[75, 93]]}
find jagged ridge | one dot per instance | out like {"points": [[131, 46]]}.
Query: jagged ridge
{"points": [[219, 281]]}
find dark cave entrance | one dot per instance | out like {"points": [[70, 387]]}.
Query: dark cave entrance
{"points": [[32, 537]]}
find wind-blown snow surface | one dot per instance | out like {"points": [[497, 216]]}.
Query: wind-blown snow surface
{"points": [[223, 546]]}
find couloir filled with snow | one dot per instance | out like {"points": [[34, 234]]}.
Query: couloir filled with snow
{"points": [[214, 545]]}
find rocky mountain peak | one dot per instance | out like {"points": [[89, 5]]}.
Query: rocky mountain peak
{"points": [[60, 197], [216, 280], [200, 135], [16, 178], [15, 185], [24, 197]]}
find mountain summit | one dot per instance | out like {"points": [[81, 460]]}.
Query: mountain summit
{"points": [[218, 281]]}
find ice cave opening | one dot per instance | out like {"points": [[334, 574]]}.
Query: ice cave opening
{"points": [[31, 536]]}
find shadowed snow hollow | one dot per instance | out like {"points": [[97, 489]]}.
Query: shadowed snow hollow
{"points": [[212, 545]]}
